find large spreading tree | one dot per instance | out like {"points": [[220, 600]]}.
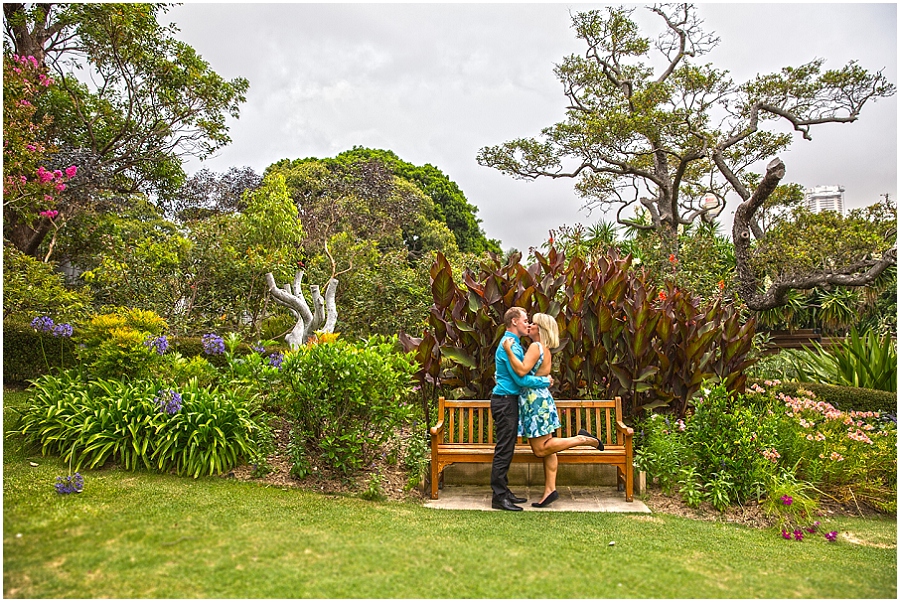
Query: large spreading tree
{"points": [[151, 101], [662, 140]]}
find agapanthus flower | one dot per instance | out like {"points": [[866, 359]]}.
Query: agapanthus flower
{"points": [[159, 344], [43, 324], [62, 330], [69, 484], [168, 400], [258, 348], [275, 360], [213, 344], [831, 535]]}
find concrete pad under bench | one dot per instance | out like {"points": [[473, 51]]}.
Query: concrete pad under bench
{"points": [[571, 499]]}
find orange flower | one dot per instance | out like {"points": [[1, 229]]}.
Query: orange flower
{"points": [[721, 285], [662, 295], [672, 258]]}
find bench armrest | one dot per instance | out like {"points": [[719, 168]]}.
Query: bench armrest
{"points": [[437, 428], [624, 429]]}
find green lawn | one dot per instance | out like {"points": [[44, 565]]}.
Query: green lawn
{"points": [[146, 535]]}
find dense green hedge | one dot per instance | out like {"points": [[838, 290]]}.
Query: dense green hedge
{"points": [[22, 356], [23, 360], [843, 398]]}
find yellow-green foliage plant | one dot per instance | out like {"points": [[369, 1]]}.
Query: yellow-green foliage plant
{"points": [[121, 344]]}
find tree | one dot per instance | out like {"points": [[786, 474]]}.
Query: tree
{"points": [[450, 205], [153, 99], [366, 200], [662, 141]]}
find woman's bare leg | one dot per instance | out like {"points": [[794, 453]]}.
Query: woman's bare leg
{"points": [[551, 463], [548, 444]]}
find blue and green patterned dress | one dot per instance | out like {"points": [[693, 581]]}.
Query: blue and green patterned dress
{"points": [[537, 410]]}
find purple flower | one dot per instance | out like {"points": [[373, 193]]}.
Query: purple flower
{"points": [[831, 535], [43, 324], [813, 527], [160, 344], [275, 360], [69, 484], [798, 534], [786, 534], [62, 330], [213, 344], [168, 400], [787, 500]]}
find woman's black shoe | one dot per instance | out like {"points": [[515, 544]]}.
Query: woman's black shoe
{"points": [[587, 434], [547, 500]]}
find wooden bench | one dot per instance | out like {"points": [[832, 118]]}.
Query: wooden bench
{"points": [[465, 433]]}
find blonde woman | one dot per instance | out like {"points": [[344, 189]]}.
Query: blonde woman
{"points": [[538, 417]]}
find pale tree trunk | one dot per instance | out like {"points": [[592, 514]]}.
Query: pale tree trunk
{"points": [[323, 316]]}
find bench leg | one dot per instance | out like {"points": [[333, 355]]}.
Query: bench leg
{"points": [[435, 476]]}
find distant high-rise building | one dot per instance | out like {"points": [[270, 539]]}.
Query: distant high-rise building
{"points": [[825, 198]]}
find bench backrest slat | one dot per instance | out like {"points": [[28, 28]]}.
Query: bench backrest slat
{"points": [[470, 421]]}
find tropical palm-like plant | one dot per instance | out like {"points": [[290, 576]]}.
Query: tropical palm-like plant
{"points": [[867, 361]]}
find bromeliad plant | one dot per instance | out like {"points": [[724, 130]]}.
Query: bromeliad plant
{"points": [[867, 361], [618, 335]]}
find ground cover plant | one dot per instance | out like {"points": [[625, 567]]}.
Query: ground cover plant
{"points": [[782, 451], [143, 534]]}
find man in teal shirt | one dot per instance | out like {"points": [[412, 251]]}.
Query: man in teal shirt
{"points": [[505, 407]]}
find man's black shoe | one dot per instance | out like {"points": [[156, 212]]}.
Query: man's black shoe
{"points": [[516, 500], [505, 504]]}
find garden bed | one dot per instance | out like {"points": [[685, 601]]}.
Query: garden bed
{"points": [[393, 476]]}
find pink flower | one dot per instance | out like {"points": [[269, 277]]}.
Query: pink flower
{"points": [[33, 61], [787, 500], [837, 457], [786, 534], [57, 173], [44, 175], [17, 70], [24, 103], [71, 171], [47, 197], [31, 147], [23, 179], [49, 214], [798, 535], [831, 535], [60, 187]]}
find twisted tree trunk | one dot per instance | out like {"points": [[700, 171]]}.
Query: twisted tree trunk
{"points": [[323, 316]]}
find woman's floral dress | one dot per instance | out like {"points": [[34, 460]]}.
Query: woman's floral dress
{"points": [[537, 410]]}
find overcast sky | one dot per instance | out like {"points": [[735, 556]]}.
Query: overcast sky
{"points": [[434, 83]]}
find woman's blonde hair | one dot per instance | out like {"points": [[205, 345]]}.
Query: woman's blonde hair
{"points": [[549, 330]]}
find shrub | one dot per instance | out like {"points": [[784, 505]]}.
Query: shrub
{"points": [[346, 399], [139, 424], [33, 288], [116, 345]]}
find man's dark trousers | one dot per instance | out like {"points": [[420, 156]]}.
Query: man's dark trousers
{"points": [[505, 411]]}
